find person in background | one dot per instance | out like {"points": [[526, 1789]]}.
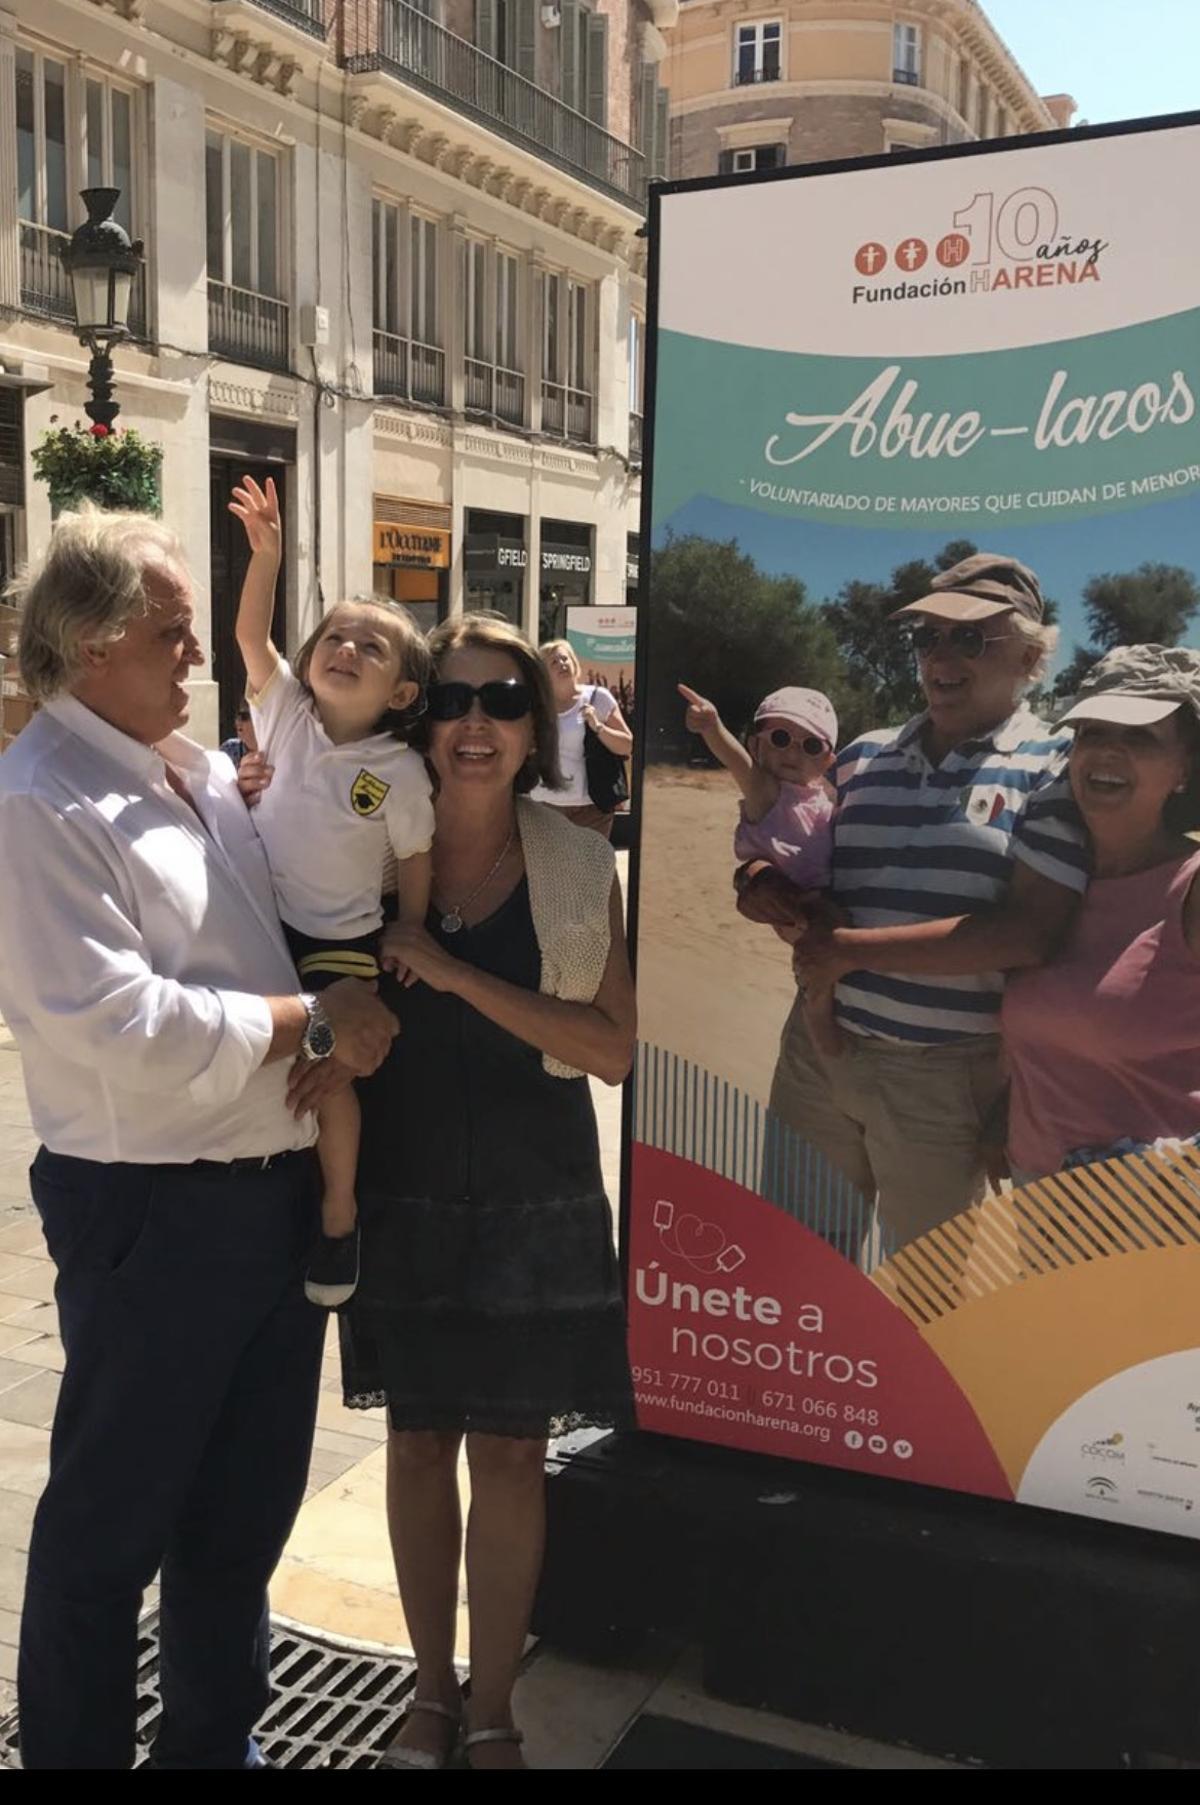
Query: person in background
{"points": [[583, 708], [1103, 1042], [956, 859], [244, 740], [490, 1307], [149, 988]]}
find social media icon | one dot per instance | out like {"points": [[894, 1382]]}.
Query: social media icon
{"points": [[878, 1444], [854, 1438], [903, 1450]]}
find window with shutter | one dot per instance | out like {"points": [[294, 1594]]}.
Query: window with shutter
{"points": [[596, 95], [569, 35], [757, 156], [486, 32], [647, 90], [524, 52], [660, 169]]}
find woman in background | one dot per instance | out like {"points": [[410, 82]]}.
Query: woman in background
{"points": [[583, 708]]}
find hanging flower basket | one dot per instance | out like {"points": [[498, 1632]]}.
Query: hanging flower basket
{"points": [[120, 471]]}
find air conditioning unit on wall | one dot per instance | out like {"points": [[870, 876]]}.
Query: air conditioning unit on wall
{"points": [[551, 14]]}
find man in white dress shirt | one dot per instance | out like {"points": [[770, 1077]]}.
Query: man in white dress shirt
{"points": [[146, 980]]}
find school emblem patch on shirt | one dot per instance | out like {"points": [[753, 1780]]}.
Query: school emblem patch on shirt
{"points": [[367, 792]]}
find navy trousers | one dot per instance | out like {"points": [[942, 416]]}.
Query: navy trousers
{"points": [[181, 1442]]}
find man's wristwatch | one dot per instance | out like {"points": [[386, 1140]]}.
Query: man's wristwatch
{"points": [[319, 1036]]}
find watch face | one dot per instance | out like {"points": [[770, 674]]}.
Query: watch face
{"points": [[319, 1038]]}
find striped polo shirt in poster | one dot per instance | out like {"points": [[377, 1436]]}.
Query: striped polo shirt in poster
{"points": [[917, 842]]}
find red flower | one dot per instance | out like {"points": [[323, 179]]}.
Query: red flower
{"points": [[99, 431]]}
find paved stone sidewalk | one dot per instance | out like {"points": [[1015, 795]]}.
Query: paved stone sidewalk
{"points": [[337, 1573]]}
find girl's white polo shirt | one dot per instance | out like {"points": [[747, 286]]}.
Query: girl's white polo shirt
{"points": [[332, 812]]}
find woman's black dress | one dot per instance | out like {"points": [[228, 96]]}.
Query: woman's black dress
{"points": [[489, 1299]]}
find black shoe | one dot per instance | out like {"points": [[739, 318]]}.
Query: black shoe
{"points": [[332, 1276]]}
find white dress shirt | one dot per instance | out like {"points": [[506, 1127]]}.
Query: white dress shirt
{"points": [[332, 812], [138, 940]]}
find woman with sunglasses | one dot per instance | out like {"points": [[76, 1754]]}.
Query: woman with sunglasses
{"points": [[957, 857], [583, 708], [785, 822], [489, 1306]]}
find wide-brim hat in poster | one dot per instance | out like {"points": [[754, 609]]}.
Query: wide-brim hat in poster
{"points": [[862, 377]]}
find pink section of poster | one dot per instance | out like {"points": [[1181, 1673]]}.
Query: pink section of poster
{"points": [[748, 1330]]}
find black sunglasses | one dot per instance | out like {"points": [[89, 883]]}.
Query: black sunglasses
{"points": [[781, 739], [972, 642], [503, 699]]}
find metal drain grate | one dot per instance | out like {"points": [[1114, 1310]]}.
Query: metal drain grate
{"points": [[332, 1705]]}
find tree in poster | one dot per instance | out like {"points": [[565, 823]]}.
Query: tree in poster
{"points": [[880, 685], [1152, 605], [732, 632]]}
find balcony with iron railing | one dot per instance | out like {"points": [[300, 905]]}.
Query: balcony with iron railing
{"points": [[305, 15], [494, 392], [46, 286], [409, 370], [567, 413], [635, 438], [246, 327], [396, 39], [747, 76]]}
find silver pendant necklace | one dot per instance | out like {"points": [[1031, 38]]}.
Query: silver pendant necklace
{"points": [[452, 920]]}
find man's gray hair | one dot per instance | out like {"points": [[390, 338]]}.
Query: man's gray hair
{"points": [[84, 589], [1044, 638]]}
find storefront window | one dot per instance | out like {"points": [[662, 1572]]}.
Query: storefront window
{"points": [[411, 557], [566, 574], [632, 568], [494, 561]]}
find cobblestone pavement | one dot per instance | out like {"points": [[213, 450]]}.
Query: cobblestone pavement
{"points": [[337, 1573]]}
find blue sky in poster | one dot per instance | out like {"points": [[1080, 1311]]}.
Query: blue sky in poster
{"points": [[1064, 553]]}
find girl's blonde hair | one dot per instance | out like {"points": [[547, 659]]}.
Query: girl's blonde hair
{"points": [[416, 665]]}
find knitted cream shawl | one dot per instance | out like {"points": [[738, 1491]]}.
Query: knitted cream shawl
{"points": [[570, 872]]}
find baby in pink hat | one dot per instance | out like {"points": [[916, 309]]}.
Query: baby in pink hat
{"points": [[786, 817]]}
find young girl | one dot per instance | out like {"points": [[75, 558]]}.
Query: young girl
{"points": [[786, 817], [346, 792]]}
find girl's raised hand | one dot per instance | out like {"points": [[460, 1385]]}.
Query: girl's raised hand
{"points": [[258, 511], [701, 716]]}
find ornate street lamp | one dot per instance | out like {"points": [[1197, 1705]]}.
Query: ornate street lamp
{"points": [[101, 262]]}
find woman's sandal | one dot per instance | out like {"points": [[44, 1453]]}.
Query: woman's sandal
{"points": [[507, 1733], [397, 1756]]}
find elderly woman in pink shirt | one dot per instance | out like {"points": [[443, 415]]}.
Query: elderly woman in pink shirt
{"points": [[1103, 1043]]}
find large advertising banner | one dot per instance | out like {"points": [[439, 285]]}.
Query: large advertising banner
{"points": [[966, 376]]}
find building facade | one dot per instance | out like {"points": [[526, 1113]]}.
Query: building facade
{"points": [[391, 260], [756, 86]]}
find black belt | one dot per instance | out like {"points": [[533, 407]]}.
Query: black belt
{"points": [[233, 1168]]}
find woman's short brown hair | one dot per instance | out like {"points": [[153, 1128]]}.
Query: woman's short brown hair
{"points": [[416, 666], [493, 633]]}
